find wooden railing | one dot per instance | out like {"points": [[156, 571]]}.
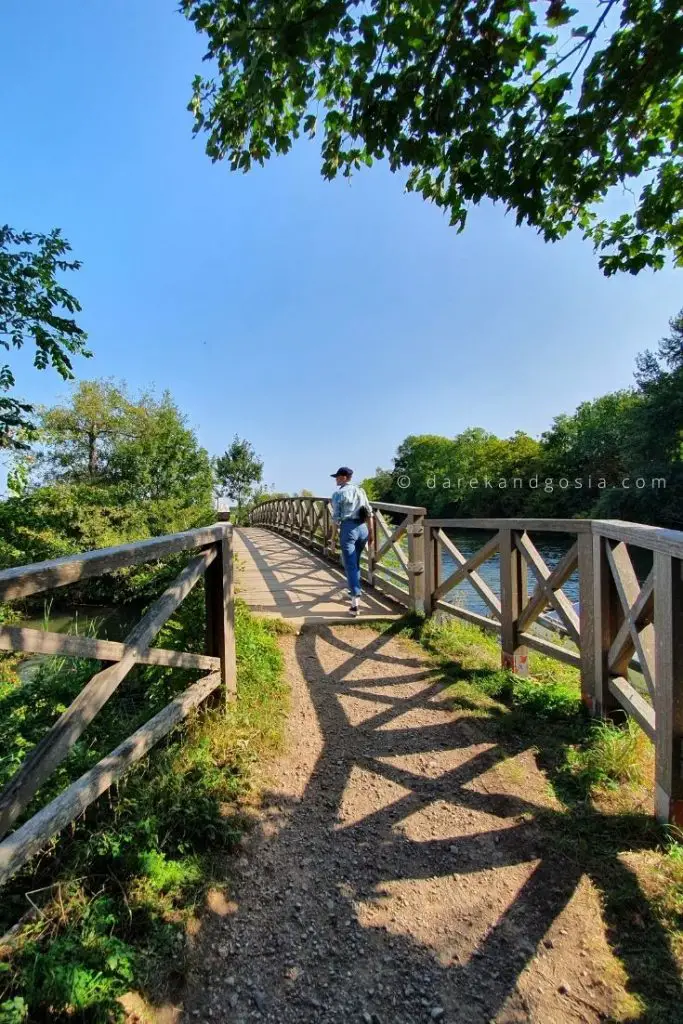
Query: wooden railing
{"points": [[626, 638], [393, 563], [214, 561]]}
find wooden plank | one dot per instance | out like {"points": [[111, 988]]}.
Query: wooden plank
{"points": [[398, 577], [392, 538], [384, 587], [429, 584], [625, 578], [575, 526], [35, 833], [472, 563], [55, 745], [643, 608], [654, 538], [669, 690], [220, 614], [559, 601], [559, 575], [632, 702], [379, 519], [628, 589], [371, 550], [473, 576], [551, 650], [587, 624], [32, 579], [37, 641], [607, 620], [464, 613], [406, 510], [513, 597], [416, 553]]}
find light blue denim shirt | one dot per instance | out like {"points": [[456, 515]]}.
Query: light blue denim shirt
{"points": [[347, 502]]}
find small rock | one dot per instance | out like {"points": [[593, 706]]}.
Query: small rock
{"points": [[548, 943], [437, 1012], [367, 1018], [259, 1000], [564, 989]]}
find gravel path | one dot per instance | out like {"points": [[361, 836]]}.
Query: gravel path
{"points": [[395, 875]]}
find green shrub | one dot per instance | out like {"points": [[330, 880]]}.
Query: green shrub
{"points": [[121, 883], [613, 755]]}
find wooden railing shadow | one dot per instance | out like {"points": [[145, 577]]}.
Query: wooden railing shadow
{"points": [[513, 937]]}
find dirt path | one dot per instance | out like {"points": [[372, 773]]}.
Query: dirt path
{"points": [[396, 875]]}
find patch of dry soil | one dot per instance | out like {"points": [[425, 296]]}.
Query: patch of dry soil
{"points": [[396, 875]]}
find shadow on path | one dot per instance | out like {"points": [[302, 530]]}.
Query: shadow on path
{"points": [[410, 866]]}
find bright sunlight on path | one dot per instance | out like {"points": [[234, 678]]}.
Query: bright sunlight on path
{"points": [[396, 873], [279, 577]]}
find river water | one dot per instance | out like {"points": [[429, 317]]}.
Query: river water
{"points": [[551, 547], [105, 622]]}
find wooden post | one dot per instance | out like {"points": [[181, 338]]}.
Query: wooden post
{"points": [[587, 624], [416, 565], [513, 596], [607, 617], [370, 551], [668, 688], [429, 542], [220, 613]]}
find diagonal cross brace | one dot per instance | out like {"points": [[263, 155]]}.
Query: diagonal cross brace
{"points": [[51, 750]]}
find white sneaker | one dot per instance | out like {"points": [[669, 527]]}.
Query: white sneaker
{"points": [[355, 606]]}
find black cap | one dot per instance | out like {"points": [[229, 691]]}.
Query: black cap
{"points": [[343, 471]]}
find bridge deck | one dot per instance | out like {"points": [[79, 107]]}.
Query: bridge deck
{"points": [[279, 577]]}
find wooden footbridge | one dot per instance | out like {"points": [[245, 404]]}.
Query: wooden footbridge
{"points": [[626, 639]]}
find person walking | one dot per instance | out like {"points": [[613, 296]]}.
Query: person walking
{"points": [[352, 515]]}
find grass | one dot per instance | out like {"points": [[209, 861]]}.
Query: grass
{"points": [[110, 899], [597, 819]]}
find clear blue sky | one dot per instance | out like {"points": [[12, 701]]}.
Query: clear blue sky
{"points": [[324, 322]]}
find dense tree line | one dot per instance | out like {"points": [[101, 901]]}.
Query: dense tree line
{"points": [[105, 468], [617, 456]]}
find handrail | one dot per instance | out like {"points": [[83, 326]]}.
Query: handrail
{"points": [[622, 624], [214, 562], [395, 549], [384, 506], [25, 580]]}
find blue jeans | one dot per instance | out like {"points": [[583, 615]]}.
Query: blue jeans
{"points": [[353, 537]]}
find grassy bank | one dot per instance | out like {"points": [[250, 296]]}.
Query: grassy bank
{"points": [[598, 818], [105, 908]]}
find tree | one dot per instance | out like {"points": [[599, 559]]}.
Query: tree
{"points": [[141, 444], [236, 472], [544, 108], [80, 435], [157, 457], [120, 468], [380, 486], [33, 309]]}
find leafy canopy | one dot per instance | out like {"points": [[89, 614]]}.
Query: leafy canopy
{"points": [[106, 467], [139, 443], [544, 108], [237, 470], [34, 308]]}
